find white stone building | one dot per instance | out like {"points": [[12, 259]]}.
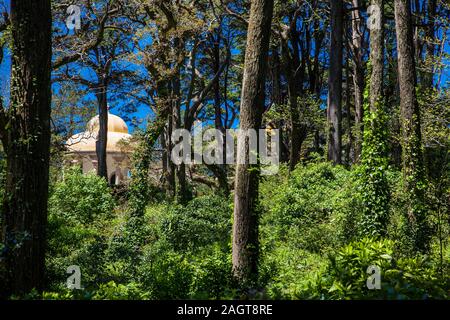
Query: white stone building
{"points": [[82, 147]]}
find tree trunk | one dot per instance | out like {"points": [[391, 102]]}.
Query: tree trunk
{"points": [[245, 225], [27, 143], [358, 78], [374, 155], [349, 152], [413, 170], [335, 83], [430, 46], [377, 59], [220, 170], [294, 80], [183, 194], [296, 132], [102, 138], [168, 166]]}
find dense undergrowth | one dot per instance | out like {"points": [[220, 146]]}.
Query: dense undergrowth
{"points": [[312, 246]]}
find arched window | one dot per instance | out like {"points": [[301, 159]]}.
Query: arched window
{"points": [[112, 180]]}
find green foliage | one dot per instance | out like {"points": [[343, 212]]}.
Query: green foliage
{"points": [[317, 206], [80, 210], [309, 226], [374, 185], [175, 252], [203, 221], [286, 270], [81, 198], [113, 291], [404, 278]]}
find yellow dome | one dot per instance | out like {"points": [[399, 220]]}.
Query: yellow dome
{"points": [[86, 141], [115, 124]]}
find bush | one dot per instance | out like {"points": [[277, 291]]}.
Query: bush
{"points": [[401, 278], [202, 222], [318, 206], [83, 198], [213, 276], [175, 252], [80, 212], [113, 291]]}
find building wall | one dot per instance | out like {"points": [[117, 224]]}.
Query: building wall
{"points": [[118, 165]]}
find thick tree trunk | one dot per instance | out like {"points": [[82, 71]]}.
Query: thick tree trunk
{"points": [[27, 144], [430, 46], [374, 156], [294, 80], [377, 58], [275, 75], [168, 166], [183, 194], [349, 152], [413, 170], [296, 132], [358, 77], [245, 225], [335, 83], [219, 171], [102, 137]]}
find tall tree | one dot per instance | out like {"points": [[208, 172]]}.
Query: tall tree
{"points": [[294, 69], [376, 55], [245, 225], [374, 153], [430, 42], [358, 75], [25, 134], [335, 82], [413, 170]]}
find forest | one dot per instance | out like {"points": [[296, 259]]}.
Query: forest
{"points": [[224, 149]]}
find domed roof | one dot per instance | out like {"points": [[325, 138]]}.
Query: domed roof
{"points": [[115, 124], [86, 141]]}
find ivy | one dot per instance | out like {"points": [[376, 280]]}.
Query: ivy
{"points": [[374, 187]]}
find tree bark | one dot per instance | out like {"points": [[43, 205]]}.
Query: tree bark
{"points": [[430, 46], [102, 137], [335, 83], [294, 112], [377, 59], [245, 226], [358, 77], [183, 194], [413, 170], [219, 171], [168, 165], [349, 152], [27, 144]]}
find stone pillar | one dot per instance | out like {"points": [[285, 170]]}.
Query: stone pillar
{"points": [[94, 162], [118, 175], [118, 161]]}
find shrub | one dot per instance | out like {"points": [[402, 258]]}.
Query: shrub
{"points": [[167, 274], [401, 278], [318, 206], [80, 212], [83, 198], [213, 276], [113, 291], [202, 222]]}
